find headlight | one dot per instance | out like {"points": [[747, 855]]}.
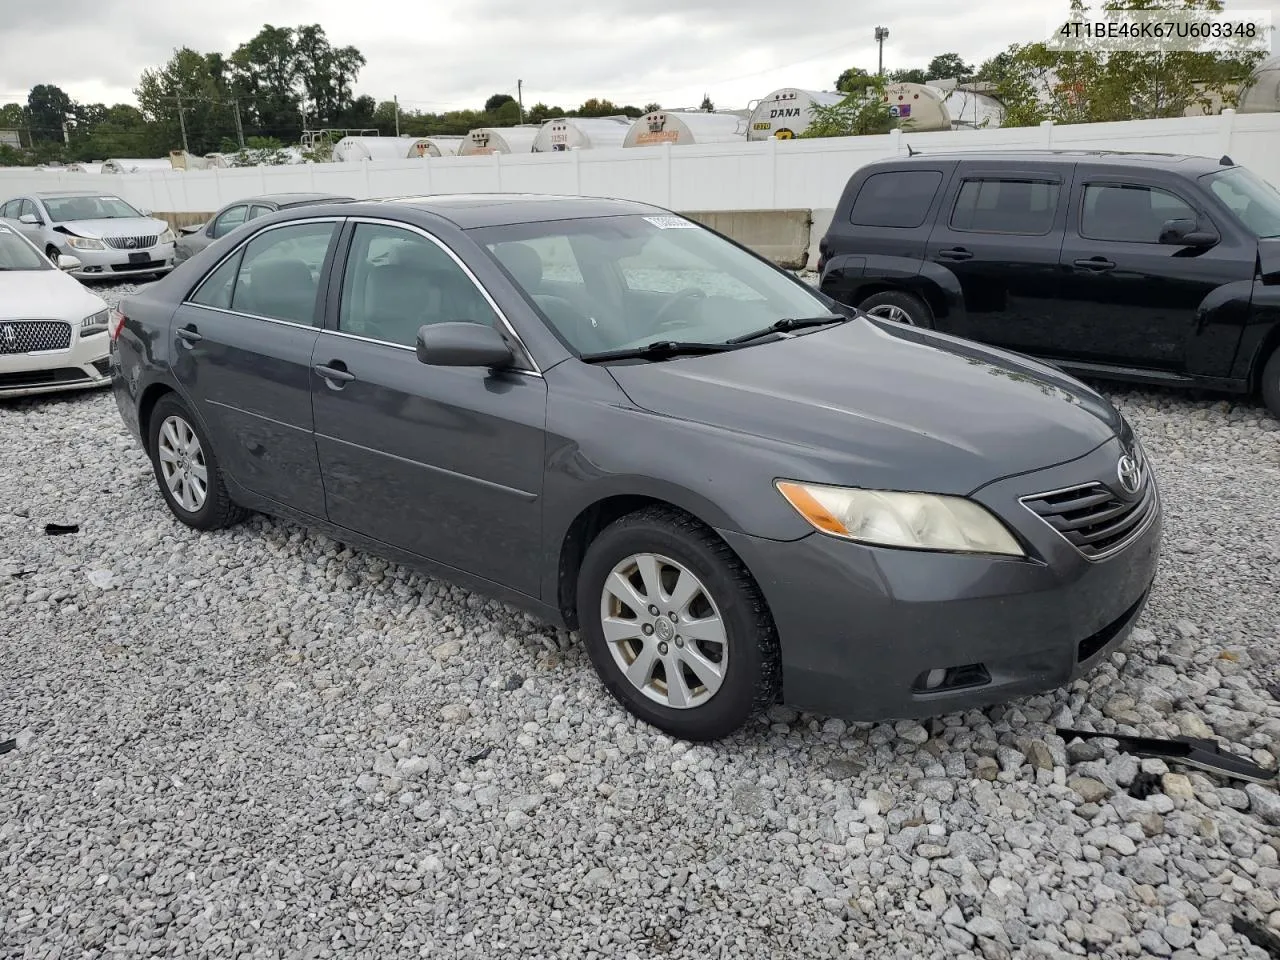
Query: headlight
{"points": [[84, 243], [922, 521], [167, 236], [95, 323]]}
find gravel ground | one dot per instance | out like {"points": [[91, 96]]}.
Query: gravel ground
{"points": [[258, 744]]}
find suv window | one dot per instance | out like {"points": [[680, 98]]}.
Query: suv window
{"points": [[896, 198], [1130, 212], [229, 220], [1006, 205], [279, 274], [396, 280]]}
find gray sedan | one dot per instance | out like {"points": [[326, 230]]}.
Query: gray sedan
{"points": [[736, 489], [196, 237]]}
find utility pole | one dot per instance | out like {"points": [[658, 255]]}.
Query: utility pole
{"points": [[395, 98], [882, 34], [239, 127], [520, 98], [182, 120]]}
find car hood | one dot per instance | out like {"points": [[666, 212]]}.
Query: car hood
{"points": [[115, 227], [1269, 258], [896, 408], [45, 295]]}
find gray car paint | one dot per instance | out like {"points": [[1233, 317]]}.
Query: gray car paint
{"points": [[492, 479]]}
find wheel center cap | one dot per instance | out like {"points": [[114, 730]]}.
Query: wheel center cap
{"points": [[664, 629]]}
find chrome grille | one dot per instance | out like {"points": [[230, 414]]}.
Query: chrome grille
{"points": [[1099, 519], [131, 243], [30, 336]]}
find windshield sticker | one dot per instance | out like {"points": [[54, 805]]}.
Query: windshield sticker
{"points": [[672, 223]]}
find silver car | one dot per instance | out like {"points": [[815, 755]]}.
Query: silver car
{"points": [[109, 236]]}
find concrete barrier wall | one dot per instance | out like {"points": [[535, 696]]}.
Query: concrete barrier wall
{"points": [[781, 175]]}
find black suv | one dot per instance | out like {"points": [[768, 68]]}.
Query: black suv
{"points": [[1154, 268]]}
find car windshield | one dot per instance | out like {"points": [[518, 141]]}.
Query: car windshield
{"points": [[621, 282], [1252, 199], [17, 254], [64, 209]]}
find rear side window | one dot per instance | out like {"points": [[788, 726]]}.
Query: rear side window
{"points": [[279, 275], [1130, 212], [896, 198], [218, 286], [1013, 205]]}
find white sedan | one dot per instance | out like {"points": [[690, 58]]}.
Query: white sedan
{"points": [[53, 331]]}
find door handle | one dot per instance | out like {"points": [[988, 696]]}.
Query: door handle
{"points": [[1097, 264], [334, 374], [189, 334], [958, 253]]}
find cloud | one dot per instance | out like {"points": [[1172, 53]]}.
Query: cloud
{"points": [[637, 51]]}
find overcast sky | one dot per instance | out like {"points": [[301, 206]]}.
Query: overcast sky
{"points": [[437, 56]]}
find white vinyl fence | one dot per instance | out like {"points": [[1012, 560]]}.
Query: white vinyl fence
{"points": [[770, 174]]}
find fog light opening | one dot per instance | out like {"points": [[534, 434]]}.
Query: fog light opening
{"points": [[941, 679]]}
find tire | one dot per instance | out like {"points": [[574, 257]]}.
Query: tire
{"points": [[746, 659], [898, 306], [171, 428], [1271, 383]]}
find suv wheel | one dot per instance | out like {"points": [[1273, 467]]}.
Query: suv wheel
{"points": [[676, 627], [898, 306], [186, 469], [1271, 383]]}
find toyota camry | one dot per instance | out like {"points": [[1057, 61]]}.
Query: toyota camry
{"points": [[735, 489]]}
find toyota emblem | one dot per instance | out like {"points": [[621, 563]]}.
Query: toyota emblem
{"points": [[1130, 474]]}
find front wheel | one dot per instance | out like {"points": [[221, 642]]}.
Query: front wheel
{"points": [[186, 469], [1271, 383], [676, 627]]}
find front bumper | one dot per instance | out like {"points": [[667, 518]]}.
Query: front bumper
{"points": [[82, 366], [105, 264], [873, 634]]}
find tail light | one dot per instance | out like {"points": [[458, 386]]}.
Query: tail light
{"points": [[116, 323]]}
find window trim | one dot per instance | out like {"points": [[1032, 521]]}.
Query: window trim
{"points": [[187, 301], [940, 186], [414, 228], [1088, 182], [1006, 178]]}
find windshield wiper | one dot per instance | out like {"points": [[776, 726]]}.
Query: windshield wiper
{"points": [[657, 350], [789, 323]]}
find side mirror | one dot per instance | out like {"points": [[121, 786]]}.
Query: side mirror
{"points": [[462, 344], [29, 219], [68, 262], [1183, 233], [146, 212]]}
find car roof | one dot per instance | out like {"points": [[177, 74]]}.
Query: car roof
{"points": [[1189, 164], [71, 193], [286, 199], [470, 210]]}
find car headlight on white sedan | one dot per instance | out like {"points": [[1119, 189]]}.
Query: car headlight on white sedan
{"points": [[85, 243], [889, 518], [95, 323], [167, 236]]}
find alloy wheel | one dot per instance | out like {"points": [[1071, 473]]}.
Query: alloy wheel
{"points": [[664, 630], [891, 312], [182, 464]]}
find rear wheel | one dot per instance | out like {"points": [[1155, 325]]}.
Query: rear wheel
{"points": [[187, 470], [675, 625], [1271, 383], [898, 306]]}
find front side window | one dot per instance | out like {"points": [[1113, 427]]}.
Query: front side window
{"points": [[1013, 205], [396, 280], [65, 209], [27, 207], [279, 273], [1255, 202], [17, 254], [647, 278], [897, 198], [228, 220], [1130, 212]]}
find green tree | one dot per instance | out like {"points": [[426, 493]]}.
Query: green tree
{"points": [[597, 108], [497, 100], [47, 107], [651, 108], [855, 80], [197, 83], [858, 114], [265, 78], [707, 106], [325, 73], [912, 75], [948, 66], [540, 112]]}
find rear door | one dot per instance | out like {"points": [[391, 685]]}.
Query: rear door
{"points": [[1127, 298], [242, 351], [999, 232]]}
